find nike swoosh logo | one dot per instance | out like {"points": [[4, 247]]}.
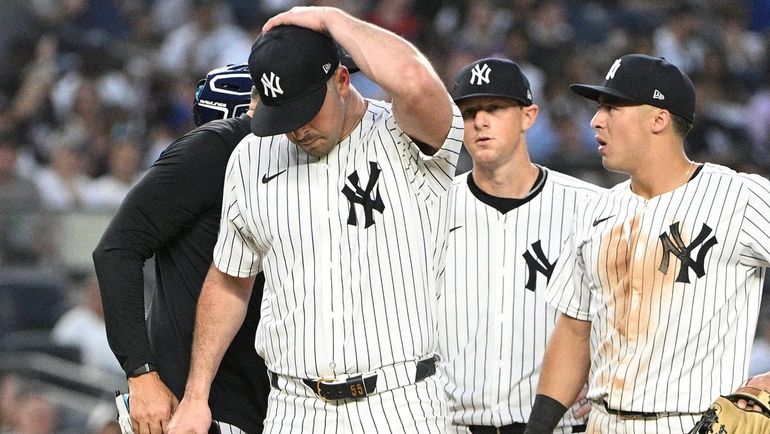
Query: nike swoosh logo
{"points": [[597, 221], [266, 179], [455, 228]]}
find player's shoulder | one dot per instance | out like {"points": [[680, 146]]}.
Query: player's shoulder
{"points": [[377, 111], [459, 182], [567, 182], [231, 130], [738, 180]]}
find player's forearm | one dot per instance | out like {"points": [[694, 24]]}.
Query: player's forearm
{"points": [[567, 361], [121, 282], [220, 313]]}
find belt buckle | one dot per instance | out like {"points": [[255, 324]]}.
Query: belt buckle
{"points": [[318, 384], [355, 388]]}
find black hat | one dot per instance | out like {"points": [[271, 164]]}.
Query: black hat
{"points": [[290, 66], [492, 77], [646, 80]]}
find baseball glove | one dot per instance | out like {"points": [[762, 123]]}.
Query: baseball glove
{"points": [[725, 417]]}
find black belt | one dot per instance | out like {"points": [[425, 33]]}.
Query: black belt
{"points": [[514, 428], [642, 414], [357, 386]]}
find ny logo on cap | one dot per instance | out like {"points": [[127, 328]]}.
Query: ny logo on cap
{"points": [[480, 74], [611, 73], [272, 84]]}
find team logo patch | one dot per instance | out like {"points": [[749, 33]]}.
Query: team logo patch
{"points": [[613, 69], [272, 84], [537, 265], [369, 197], [480, 74], [673, 244]]}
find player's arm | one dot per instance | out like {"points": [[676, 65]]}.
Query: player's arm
{"points": [[565, 369], [421, 104], [220, 313], [172, 193]]}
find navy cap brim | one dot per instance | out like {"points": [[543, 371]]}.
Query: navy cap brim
{"points": [[490, 95], [594, 92], [273, 120]]}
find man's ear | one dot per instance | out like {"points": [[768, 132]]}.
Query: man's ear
{"points": [[529, 116], [342, 80], [660, 120]]}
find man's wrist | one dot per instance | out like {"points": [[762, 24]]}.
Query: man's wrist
{"points": [[141, 370], [546, 413]]}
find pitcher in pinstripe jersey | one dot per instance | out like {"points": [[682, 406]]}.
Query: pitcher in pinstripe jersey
{"points": [[338, 199], [660, 284], [510, 219]]}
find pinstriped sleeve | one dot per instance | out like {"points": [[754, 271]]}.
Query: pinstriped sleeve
{"points": [[235, 252], [567, 290], [755, 227], [432, 175]]}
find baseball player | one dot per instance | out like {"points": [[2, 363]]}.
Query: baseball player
{"points": [[660, 283], [338, 200], [173, 213], [510, 219]]}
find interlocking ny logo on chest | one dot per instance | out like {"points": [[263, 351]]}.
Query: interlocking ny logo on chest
{"points": [[673, 244], [367, 198]]}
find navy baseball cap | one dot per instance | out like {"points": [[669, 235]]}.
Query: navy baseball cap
{"points": [[643, 79], [290, 66], [492, 77]]}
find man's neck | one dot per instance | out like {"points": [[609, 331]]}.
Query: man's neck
{"points": [[355, 112], [658, 179], [513, 180]]}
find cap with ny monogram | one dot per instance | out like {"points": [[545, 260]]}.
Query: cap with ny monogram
{"points": [[492, 77], [646, 80], [290, 66]]}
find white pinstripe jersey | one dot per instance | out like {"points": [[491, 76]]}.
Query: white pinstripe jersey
{"points": [[672, 287], [493, 322], [350, 244]]}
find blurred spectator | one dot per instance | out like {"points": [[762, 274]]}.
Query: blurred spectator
{"points": [[103, 420], [19, 219], [744, 50], [108, 191], [550, 32], [209, 39], [398, 17], [10, 387], [517, 47], [36, 413], [83, 326], [720, 132], [758, 120], [483, 28], [62, 183], [678, 40]]}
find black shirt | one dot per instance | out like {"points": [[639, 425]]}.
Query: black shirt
{"points": [[173, 213]]}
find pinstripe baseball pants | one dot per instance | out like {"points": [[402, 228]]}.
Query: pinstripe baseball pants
{"points": [[601, 422], [416, 408], [226, 428]]}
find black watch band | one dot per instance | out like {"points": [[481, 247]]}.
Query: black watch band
{"points": [[147, 367]]}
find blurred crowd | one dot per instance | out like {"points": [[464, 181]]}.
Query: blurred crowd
{"points": [[91, 91]]}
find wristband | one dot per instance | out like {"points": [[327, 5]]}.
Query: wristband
{"points": [[546, 413], [147, 367]]}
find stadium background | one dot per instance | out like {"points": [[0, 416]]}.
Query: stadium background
{"points": [[92, 90]]}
